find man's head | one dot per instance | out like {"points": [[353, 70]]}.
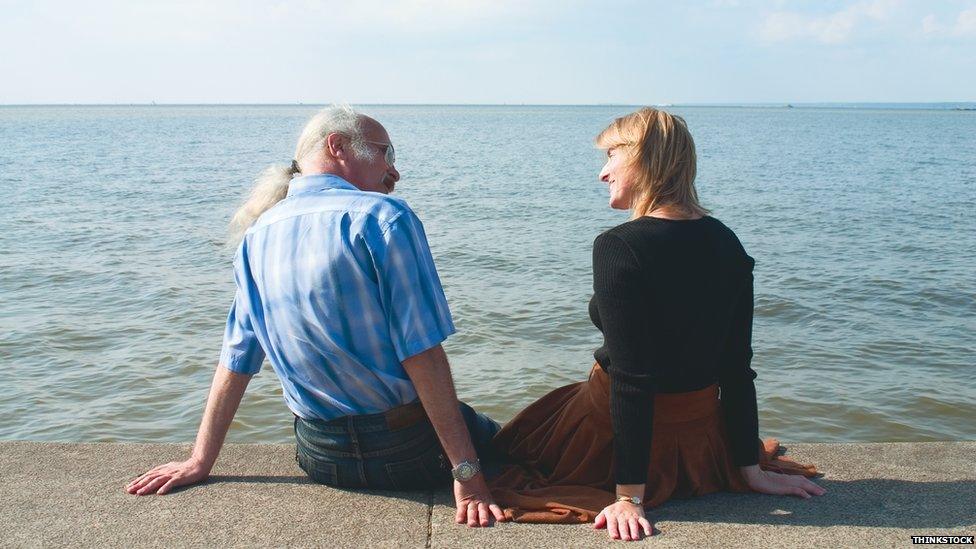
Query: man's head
{"points": [[353, 146]]}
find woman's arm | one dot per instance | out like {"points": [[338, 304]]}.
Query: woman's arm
{"points": [[739, 405], [618, 284], [736, 378]]}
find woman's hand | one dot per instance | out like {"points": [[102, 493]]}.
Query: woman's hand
{"points": [[624, 520], [768, 482], [163, 478]]}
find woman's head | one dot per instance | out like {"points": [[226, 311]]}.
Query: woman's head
{"points": [[651, 163]]}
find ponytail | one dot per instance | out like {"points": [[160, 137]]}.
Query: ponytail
{"points": [[270, 187]]}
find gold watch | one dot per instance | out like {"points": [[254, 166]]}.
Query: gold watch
{"points": [[636, 500]]}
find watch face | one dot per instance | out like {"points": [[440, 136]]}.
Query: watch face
{"points": [[465, 471]]}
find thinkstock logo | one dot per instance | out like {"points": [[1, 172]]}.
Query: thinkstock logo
{"points": [[942, 540]]}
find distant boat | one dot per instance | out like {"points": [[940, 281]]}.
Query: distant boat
{"points": [[788, 106]]}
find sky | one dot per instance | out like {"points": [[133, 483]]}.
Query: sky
{"points": [[487, 51]]}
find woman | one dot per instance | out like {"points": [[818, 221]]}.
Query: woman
{"points": [[673, 298]]}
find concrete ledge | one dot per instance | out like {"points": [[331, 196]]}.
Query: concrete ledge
{"points": [[58, 494]]}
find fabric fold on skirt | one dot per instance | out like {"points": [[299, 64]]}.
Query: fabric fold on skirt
{"points": [[562, 450]]}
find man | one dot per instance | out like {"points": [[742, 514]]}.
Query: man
{"points": [[337, 288]]}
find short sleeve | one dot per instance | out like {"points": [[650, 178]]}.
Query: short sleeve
{"points": [[416, 309], [241, 351]]}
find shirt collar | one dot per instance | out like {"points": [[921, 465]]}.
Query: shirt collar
{"points": [[318, 182]]}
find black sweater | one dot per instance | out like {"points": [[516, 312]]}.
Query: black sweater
{"points": [[674, 302]]}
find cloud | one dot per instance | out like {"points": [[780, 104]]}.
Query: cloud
{"points": [[188, 22], [965, 24], [832, 28], [930, 25], [404, 15]]}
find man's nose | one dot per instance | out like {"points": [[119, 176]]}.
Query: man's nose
{"points": [[394, 174]]}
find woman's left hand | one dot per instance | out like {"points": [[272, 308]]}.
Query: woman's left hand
{"points": [[624, 520], [768, 482]]}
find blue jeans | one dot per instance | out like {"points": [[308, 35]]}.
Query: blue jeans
{"points": [[393, 450]]}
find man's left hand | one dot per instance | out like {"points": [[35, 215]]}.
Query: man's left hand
{"points": [[474, 503]]}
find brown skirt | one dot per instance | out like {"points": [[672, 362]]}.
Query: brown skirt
{"points": [[563, 447]]}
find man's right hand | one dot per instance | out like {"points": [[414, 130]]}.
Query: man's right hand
{"points": [[160, 480], [474, 503], [225, 396]]}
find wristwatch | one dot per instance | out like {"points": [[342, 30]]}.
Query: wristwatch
{"points": [[631, 499], [466, 470]]}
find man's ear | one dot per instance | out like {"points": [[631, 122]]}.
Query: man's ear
{"points": [[336, 146]]}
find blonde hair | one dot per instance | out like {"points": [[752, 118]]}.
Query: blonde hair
{"points": [[662, 155], [271, 185]]}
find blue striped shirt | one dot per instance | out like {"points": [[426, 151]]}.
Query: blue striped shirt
{"points": [[336, 286]]}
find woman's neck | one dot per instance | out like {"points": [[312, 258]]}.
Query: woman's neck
{"points": [[672, 212]]}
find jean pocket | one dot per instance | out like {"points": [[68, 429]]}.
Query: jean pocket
{"points": [[322, 472], [419, 473]]}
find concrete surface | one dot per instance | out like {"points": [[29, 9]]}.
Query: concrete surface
{"points": [[59, 494]]}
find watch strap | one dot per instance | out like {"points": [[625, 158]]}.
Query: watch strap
{"points": [[636, 500]]}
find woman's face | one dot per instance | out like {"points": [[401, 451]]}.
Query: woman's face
{"points": [[618, 173]]}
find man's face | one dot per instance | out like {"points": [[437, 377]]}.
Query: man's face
{"points": [[374, 174]]}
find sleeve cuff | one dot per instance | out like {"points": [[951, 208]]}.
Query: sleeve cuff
{"points": [[417, 346], [240, 364]]}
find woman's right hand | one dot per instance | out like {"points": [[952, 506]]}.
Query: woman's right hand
{"points": [[624, 520], [768, 482]]}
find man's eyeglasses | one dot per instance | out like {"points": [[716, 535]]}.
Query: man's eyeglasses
{"points": [[388, 153]]}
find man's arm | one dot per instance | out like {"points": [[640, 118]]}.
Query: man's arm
{"points": [[225, 396], [431, 376]]}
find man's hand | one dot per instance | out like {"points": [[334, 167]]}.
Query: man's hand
{"points": [[225, 396], [431, 376], [474, 503], [768, 482], [164, 478]]}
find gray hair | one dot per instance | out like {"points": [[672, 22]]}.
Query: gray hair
{"points": [[271, 185]]}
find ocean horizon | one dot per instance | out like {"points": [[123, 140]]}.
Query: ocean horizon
{"points": [[935, 105]]}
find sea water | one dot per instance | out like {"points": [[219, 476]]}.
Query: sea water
{"points": [[115, 276]]}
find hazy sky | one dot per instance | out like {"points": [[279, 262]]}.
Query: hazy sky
{"points": [[486, 51]]}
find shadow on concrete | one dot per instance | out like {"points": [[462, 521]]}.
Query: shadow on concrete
{"points": [[258, 479], [244, 479], [419, 497], [868, 502]]}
